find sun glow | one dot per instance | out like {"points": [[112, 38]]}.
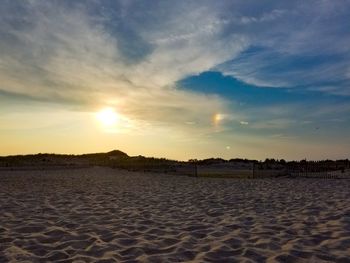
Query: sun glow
{"points": [[218, 118], [108, 117]]}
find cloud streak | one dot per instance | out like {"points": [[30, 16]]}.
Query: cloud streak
{"points": [[56, 52], [131, 55]]}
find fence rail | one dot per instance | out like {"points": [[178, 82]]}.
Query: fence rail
{"points": [[338, 174]]}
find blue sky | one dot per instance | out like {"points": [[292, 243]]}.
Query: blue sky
{"points": [[187, 78]]}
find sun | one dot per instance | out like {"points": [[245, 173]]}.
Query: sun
{"points": [[107, 117]]}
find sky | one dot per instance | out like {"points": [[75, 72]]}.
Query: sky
{"points": [[176, 79]]}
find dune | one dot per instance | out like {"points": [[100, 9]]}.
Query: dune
{"points": [[110, 215]]}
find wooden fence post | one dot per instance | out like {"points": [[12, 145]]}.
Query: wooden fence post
{"points": [[195, 169], [253, 170]]}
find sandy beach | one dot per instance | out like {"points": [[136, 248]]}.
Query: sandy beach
{"points": [[107, 215]]}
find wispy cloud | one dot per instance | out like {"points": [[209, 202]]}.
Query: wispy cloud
{"points": [[130, 55], [306, 45], [62, 53]]}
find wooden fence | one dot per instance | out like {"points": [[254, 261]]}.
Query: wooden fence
{"points": [[338, 174]]}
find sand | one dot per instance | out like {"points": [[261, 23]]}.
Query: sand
{"points": [[106, 215]]}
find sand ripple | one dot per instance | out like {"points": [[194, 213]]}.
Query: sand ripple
{"points": [[105, 215]]}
